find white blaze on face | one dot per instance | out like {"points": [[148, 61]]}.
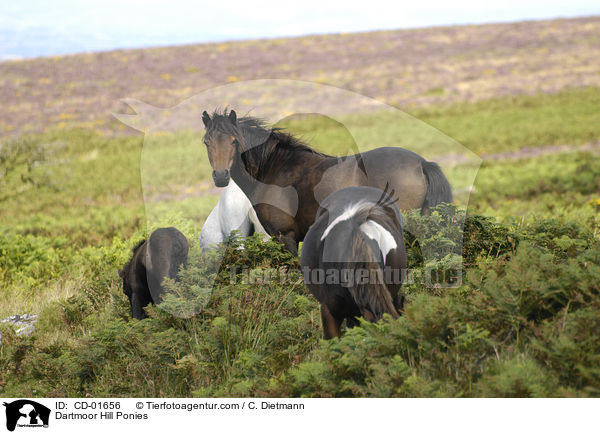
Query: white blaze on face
{"points": [[346, 215], [380, 235]]}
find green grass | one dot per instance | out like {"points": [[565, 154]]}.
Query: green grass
{"points": [[568, 117], [564, 185], [505, 124]]}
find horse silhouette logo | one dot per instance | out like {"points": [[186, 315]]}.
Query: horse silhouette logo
{"points": [[26, 413]]}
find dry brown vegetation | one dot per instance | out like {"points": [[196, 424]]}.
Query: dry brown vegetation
{"points": [[403, 67]]}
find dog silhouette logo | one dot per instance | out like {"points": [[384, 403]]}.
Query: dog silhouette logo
{"points": [[26, 413]]}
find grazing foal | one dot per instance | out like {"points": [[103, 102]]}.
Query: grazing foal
{"points": [[154, 259], [353, 257]]}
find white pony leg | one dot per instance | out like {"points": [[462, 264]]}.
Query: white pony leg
{"points": [[211, 234]]}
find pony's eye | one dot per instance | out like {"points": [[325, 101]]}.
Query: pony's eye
{"points": [[235, 142]]}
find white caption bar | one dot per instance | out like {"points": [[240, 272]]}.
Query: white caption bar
{"points": [[266, 415]]}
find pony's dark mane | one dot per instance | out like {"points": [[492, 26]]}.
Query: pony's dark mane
{"points": [[133, 250], [138, 245], [387, 198], [260, 143]]}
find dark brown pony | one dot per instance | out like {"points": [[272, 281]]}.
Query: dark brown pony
{"points": [[353, 257], [153, 259], [286, 180]]}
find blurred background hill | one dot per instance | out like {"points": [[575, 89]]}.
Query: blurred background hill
{"points": [[405, 68]]}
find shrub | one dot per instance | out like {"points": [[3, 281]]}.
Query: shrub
{"points": [[524, 322]]}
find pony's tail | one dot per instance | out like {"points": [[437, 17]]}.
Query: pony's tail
{"points": [[371, 296], [438, 187]]}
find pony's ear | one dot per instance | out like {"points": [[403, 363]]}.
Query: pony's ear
{"points": [[206, 119], [232, 117]]}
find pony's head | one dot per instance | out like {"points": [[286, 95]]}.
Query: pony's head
{"points": [[222, 138]]}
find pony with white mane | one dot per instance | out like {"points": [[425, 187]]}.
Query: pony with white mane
{"points": [[233, 212]]}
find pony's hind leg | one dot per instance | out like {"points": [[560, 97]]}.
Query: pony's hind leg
{"points": [[331, 325], [290, 243], [398, 300], [352, 322]]}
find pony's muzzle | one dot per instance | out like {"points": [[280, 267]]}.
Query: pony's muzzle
{"points": [[221, 177]]}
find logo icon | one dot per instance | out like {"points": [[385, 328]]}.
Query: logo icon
{"points": [[26, 413]]}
